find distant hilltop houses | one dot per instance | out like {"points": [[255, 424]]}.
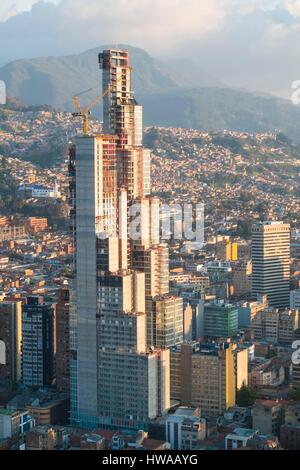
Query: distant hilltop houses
{"points": [[39, 191]]}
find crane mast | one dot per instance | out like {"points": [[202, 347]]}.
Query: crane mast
{"points": [[85, 112]]}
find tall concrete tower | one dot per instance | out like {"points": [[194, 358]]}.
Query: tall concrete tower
{"points": [[123, 117], [117, 381]]}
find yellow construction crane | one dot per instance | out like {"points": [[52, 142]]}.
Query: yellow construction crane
{"points": [[85, 112]]}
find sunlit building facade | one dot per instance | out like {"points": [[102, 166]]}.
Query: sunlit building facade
{"points": [[271, 257]]}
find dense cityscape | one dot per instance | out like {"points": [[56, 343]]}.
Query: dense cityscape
{"points": [[114, 343]]}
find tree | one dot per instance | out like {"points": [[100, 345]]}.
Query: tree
{"points": [[246, 396], [244, 229]]}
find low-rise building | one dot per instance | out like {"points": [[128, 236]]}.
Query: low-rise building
{"points": [[40, 438], [37, 224], [14, 423], [240, 438], [185, 429], [250, 439], [92, 442], [48, 407], [268, 416], [249, 309], [275, 326]]}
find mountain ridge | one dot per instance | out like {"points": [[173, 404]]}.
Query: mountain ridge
{"points": [[174, 93]]}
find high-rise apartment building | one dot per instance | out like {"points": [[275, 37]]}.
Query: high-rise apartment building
{"points": [[271, 253], [205, 377], [156, 266], [11, 338], [241, 362], [188, 323], [164, 312], [165, 322], [37, 343], [117, 381]]}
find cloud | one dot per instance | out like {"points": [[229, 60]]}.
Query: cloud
{"points": [[73, 25], [260, 51], [292, 6], [7, 12], [10, 8], [246, 43], [78, 24]]}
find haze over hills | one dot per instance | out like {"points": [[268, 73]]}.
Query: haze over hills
{"points": [[54, 80], [176, 93]]}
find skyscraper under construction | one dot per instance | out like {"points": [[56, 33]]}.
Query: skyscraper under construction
{"points": [[119, 378]]}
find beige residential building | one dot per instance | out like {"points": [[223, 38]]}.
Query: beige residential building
{"points": [[241, 363], [288, 324], [207, 376], [248, 310], [267, 417], [275, 326], [188, 323]]}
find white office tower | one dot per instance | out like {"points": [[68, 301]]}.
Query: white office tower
{"points": [[271, 254], [117, 382]]}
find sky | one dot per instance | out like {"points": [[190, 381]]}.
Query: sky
{"points": [[251, 44], [9, 8]]}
